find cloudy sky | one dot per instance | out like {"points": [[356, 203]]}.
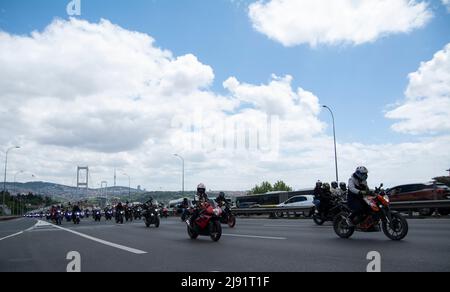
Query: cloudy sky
{"points": [[234, 86]]}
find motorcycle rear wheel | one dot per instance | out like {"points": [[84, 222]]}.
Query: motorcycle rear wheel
{"points": [[231, 221], [341, 227], [397, 229]]}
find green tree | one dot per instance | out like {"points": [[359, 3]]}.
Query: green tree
{"points": [[281, 186], [262, 189]]}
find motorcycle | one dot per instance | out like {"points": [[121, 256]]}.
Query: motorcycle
{"points": [[335, 208], [68, 216], [97, 215], [108, 215], [119, 217], [138, 213], [207, 223], [76, 218], [129, 214], [151, 216], [228, 217], [88, 214], [393, 224], [164, 212], [57, 217]]}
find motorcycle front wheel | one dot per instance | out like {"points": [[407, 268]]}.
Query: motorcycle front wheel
{"points": [[397, 229], [318, 219], [341, 227], [192, 234], [215, 231]]}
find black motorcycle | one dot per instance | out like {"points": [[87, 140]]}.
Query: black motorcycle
{"points": [[138, 213], [334, 208], [228, 217], [151, 215], [108, 215], [97, 215], [76, 218], [129, 214], [58, 217], [119, 216]]}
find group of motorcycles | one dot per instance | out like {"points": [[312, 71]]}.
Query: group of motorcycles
{"points": [[379, 218]]}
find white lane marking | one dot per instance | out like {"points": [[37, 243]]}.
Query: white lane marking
{"points": [[12, 235], [255, 236], [111, 244], [299, 226]]}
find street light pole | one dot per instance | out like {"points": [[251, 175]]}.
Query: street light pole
{"points": [[182, 159], [335, 147], [15, 177], [4, 181]]}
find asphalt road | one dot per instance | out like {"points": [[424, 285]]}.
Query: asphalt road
{"points": [[255, 245]]}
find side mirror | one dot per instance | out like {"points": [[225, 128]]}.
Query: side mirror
{"points": [[382, 185]]}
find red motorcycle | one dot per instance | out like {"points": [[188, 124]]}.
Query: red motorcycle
{"points": [[207, 223]]}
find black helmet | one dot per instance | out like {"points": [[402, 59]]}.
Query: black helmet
{"points": [[319, 184], [334, 185]]}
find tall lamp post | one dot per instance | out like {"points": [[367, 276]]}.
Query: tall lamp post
{"points": [[182, 185], [6, 166], [335, 147]]}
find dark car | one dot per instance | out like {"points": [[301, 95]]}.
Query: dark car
{"points": [[421, 192]]}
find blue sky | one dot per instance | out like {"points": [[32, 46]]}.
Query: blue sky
{"points": [[357, 81], [361, 82]]}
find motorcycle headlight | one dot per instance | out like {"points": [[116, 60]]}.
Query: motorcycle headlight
{"points": [[386, 198], [217, 211]]}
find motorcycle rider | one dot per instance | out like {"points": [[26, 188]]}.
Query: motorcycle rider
{"points": [[335, 189], [325, 199], [202, 197], [357, 189], [119, 208], [317, 193], [221, 200], [343, 190], [75, 209]]}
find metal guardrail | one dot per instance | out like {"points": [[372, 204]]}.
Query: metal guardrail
{"points": [[394, 206]]}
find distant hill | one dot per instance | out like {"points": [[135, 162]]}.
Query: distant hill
{"points": [[72, 193], [67, 192]]}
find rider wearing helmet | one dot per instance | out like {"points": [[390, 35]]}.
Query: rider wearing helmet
{"points": [[202, 197], [221, 200], [343, 190], [335, 189], [325, 199], [357, 189]]}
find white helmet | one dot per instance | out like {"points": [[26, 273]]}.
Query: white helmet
{"points": [[201, 186]]}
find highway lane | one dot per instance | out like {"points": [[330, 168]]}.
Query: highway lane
{"points": [[255, 245]]}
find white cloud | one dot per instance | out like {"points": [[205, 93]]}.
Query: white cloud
{"points": [[96, 94], [427, 106], [330, 22], [447, 4]]}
